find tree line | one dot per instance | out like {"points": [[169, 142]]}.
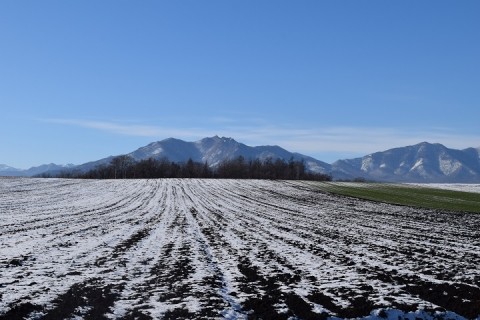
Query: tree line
{"points": [[125, 167]]}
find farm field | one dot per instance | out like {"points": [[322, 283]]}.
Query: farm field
{"points": [[465, 187], [451, 197], [228, 249]]}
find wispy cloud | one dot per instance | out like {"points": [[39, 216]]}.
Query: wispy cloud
{"points": [[348, 139], [130, 129], [361, 140], [313, 141]]}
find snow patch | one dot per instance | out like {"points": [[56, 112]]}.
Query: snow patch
{"points": [[417, 165], [448, 166], [367, 164], [465, 187], [157, 151]]}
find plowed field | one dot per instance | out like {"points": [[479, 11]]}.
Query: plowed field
{"points": [[233, 249]]}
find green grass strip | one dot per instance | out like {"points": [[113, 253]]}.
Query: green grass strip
{"points": [[409, 195]]}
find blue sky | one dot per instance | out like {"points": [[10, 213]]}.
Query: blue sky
{"points": [[81, 80]]}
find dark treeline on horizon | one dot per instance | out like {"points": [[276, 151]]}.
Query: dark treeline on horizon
{"points": [[125, 167]]}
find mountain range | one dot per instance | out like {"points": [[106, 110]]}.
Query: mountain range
{"points": [[424, 162], [52, 168], [212, 150]]}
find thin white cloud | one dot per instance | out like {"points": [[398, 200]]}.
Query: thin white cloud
{"points": [[131, 129], [350, 140], [313, 141], [353, 140]]}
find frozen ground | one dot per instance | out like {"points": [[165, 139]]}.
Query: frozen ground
{"points": [[452, 186], [233, 249]]}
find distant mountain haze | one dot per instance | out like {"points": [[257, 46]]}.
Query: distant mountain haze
{"points": [[33, 171], [424, 162]]}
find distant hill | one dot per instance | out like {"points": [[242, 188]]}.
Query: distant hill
{"points": [[424, 162], [9, 171], [33, 171]]}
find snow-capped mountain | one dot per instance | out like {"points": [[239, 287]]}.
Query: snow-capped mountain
{"points": [[213, 150], [424, 162], [216, 149]]}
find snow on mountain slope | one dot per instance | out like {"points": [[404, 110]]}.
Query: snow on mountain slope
{"points": [[424, 162], [173, 149], [214, 150]]}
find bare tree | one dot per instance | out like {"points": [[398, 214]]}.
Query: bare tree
{"points": [[121, 164]]}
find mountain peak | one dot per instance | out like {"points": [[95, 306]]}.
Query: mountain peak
{"points": [[430, 144], [220, 139], [217, 138], [171, 139]]}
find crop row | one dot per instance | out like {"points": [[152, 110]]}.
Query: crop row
{"points": [[235, 249]]}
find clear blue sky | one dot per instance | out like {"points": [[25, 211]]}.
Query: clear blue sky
{"points": [[81, 80]]}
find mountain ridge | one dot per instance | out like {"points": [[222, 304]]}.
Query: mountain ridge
{"points": [[214, 150], [9, 171], [423, 162]]}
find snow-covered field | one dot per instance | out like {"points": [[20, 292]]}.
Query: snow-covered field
{"points": [[452, 186], [234, 249]]}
